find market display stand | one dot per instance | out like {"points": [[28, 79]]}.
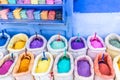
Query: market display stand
{"points": [[45, 27]]}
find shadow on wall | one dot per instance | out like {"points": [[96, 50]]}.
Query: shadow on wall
{"points": [[101, 16]]}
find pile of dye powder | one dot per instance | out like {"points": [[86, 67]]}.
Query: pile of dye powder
{"points": [[96, 43], [63, 65], [83, 68], [115, 42], [36, 43], [104, 69], [77, 44], [43, 66], [118, 64], [5, 67], [58, 44], [19, 44], [3, 40], [24, 65]]}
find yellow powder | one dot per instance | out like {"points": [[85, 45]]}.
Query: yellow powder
{"points": [[119, 64], [42, 66], [24, 65], [4, 1], [16, 13], [19, 44]]}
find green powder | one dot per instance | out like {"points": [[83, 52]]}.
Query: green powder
{"points": [[115, 43]]}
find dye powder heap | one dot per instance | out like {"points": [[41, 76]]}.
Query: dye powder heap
{"points": [[3, 40], [83, 68], [118, 64], [77, 44], [104, 68], [24, 65], [5, 67], [96, 43], [36, 43], [115, 43], [63, 65], [43, 66], [19, 44], [58, 44]]}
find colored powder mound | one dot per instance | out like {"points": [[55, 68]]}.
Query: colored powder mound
{"points": [[63, 65], [3, 41], [96, 43], [24, 65], [115, 43], [104, 69], [77, 44], [43, 66], [36, 43], [57, 44], [83, 68], [119, 64], [19, 44], [5, 67]]}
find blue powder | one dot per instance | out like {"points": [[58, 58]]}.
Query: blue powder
{"points": [[63, 65], [3, 41]]}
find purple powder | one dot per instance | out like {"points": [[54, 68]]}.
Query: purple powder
{"points": [[36, 43], [83, 68], [20, 2], [5, 67], [30, 14], [77, 44]]}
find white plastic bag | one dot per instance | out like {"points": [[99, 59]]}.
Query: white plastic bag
{"points": [[116, 68], [63, 76], [55, 52], [113, 51], [92, 52], [43, 76], [36, 50], [14, 39], [78, 52], [77, 76], [8, 75]]}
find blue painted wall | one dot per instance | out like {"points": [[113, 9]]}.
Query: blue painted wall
{"points": [[101, 16]]}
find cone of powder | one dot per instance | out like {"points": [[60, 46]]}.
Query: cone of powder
{"points": [[16, 13], [19, 44], [44, 15], [77, 44], [36, 43], [58, 15], [23, 14], [30, 14], [83, 68], [41, 1], [63, 65], [49, 1], [5, 67], [37, 14], [118, 64], [10, 15], [27, 2], [58, 1], [12, 1], [24, 65], [4, 1], [43, 66], [20, 1], [115, 43], [4, 13], [51, 15], [34, 1]]}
